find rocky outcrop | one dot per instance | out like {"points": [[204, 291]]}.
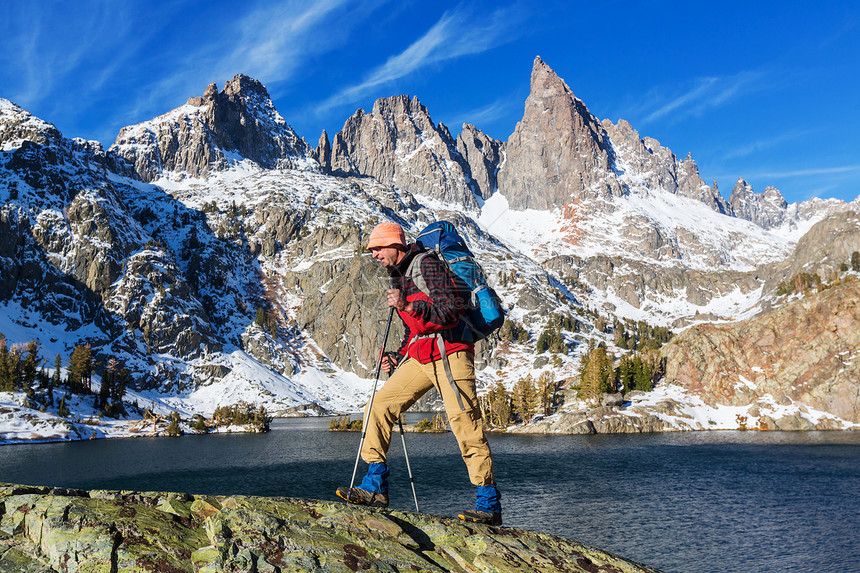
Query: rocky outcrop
{"points": [[398, 144], [347, 319], [821, 251], [558, 152], [805, 351], [323, 152], [767, 209], [614, 420], [74, 531], [209, 131], [154, 299], [482, 154], [635, 282], [644, 163]]}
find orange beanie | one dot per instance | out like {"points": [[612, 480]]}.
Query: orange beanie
{"points": [[387, 234]]}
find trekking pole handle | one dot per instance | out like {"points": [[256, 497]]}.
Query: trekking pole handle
{"points": [[384, 340]]}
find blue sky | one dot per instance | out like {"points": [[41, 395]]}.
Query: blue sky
{"points": [[763, 90]]}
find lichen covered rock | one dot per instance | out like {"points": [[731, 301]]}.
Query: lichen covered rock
{"points": [[44, 529]]}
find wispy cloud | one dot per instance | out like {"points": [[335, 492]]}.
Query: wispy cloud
{"points": [[44, 47], [752, 147], [815, 171], [457, 33], [274, 40], [706, 93], [269, 44]]}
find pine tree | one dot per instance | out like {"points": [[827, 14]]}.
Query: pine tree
{"points": [[855, 261], [509, 331], [50, 389], [16, 365], [641, 375], [200, 424], [58, 364], [525, 398], [596, 374], [63, 409], [523, 336], [81, 369], [542, 344], [29, 367], [173, 428], [497, 407], [108, 376], [545, 390], [121, 382], [7, 380], [624, 374]]}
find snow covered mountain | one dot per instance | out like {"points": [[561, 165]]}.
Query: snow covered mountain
{"points": [[221, 257], [213, 132]]}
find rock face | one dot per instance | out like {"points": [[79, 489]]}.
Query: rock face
{"points": [[323, 152], [614, 419], [208, 131], [398, 144], [483, 155], [767, 209], [805, 351], [645, 160], [76, 531], [352, 305], [558, 152]]}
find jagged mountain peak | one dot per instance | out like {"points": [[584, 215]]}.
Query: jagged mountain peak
{"points": [[767, 209], [242, 84], [545, 82], [18, 124], [399, 103], [559, 152], [546, 85], [773, 194], [213, 131], [483, 155], [398, 144]]}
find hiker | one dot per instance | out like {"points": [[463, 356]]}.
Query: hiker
{"points": [[436, 351]]}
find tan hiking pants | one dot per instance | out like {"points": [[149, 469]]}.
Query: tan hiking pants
{"points": [[408, 383]]}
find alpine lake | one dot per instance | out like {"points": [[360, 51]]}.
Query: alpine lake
{"points": [[681, 502]]}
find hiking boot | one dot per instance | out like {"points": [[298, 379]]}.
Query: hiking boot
{"points": [[362, 497], [485, 517]]}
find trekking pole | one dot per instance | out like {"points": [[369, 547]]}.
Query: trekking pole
{"points": [[408, 467], [370, 403]]}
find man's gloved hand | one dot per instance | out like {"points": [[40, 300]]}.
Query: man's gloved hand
{"points": [[390, 360]]}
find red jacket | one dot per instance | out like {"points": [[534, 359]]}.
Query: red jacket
{"points": [[439, 312]]}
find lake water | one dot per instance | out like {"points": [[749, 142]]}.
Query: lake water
{"points": [[682, 502]]}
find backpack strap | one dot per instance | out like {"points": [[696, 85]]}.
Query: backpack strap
{"points": [[414, 273], [440, 344]]}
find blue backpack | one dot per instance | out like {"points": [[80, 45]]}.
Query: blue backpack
{"points": [[484, 313]]}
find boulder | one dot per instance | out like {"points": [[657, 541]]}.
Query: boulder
{"points": [[612, 399]]}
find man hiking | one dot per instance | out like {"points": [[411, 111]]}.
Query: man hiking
{"points": [[437, 350]]}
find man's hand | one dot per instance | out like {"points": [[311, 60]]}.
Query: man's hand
{"points": [[388, 365], [397, 299], [390, 360]]}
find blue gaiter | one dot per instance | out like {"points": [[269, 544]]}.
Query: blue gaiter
{"points": [[376, 479], [489, 499]]}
